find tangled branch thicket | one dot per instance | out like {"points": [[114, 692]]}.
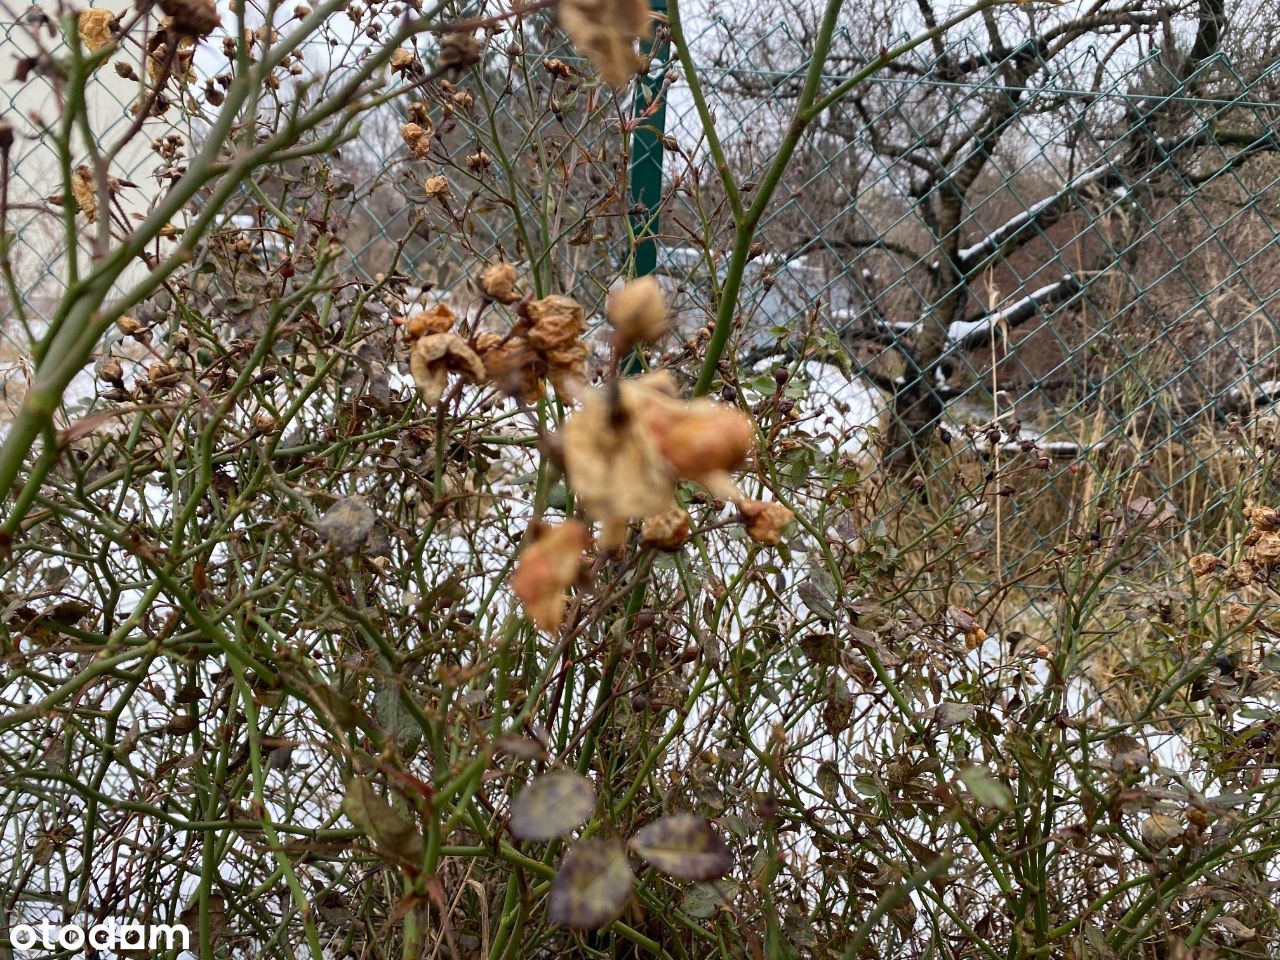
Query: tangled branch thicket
{"points": [[389, 570]]}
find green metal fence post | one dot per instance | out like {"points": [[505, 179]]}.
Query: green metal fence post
{"points": [[646, 152]]}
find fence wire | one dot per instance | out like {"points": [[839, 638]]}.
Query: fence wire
{"points": [[1047, 274]]}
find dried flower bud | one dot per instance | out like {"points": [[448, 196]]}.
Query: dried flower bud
{"points": [[264, 422], [639, 311], [478, 161], [161, 372], [498, 282], [111, 371], [765, 521], [128, 326]]}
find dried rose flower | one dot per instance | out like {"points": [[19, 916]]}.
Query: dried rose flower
{"points": [[639, 311], [497, 281], [435, 356], [765, 521]]}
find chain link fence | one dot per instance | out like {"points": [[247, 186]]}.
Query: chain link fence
{"points": [[1045, 274]]}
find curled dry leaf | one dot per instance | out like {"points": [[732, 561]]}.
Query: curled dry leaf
{"points": [[417, 138], [552, 805], [391, 831], [94, 28], [684, 845], [606, 31], [592, 886], [1161, 830], [765, 521], [497, 281], [346, 525], [85, 192], [437, 355], [639, 311], [546, 568]]}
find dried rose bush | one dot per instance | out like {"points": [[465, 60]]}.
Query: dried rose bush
{"points": [[509, 617]]}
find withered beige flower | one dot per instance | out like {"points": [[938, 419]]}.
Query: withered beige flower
{"points": [[434, 357], [546, 567], [94, 27], [606, 31], [417, 138], [556, 326], [629, 445], [437, 319], [194, 18], [512, 365], [85, 191], [402, 60], [437, 187]]}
